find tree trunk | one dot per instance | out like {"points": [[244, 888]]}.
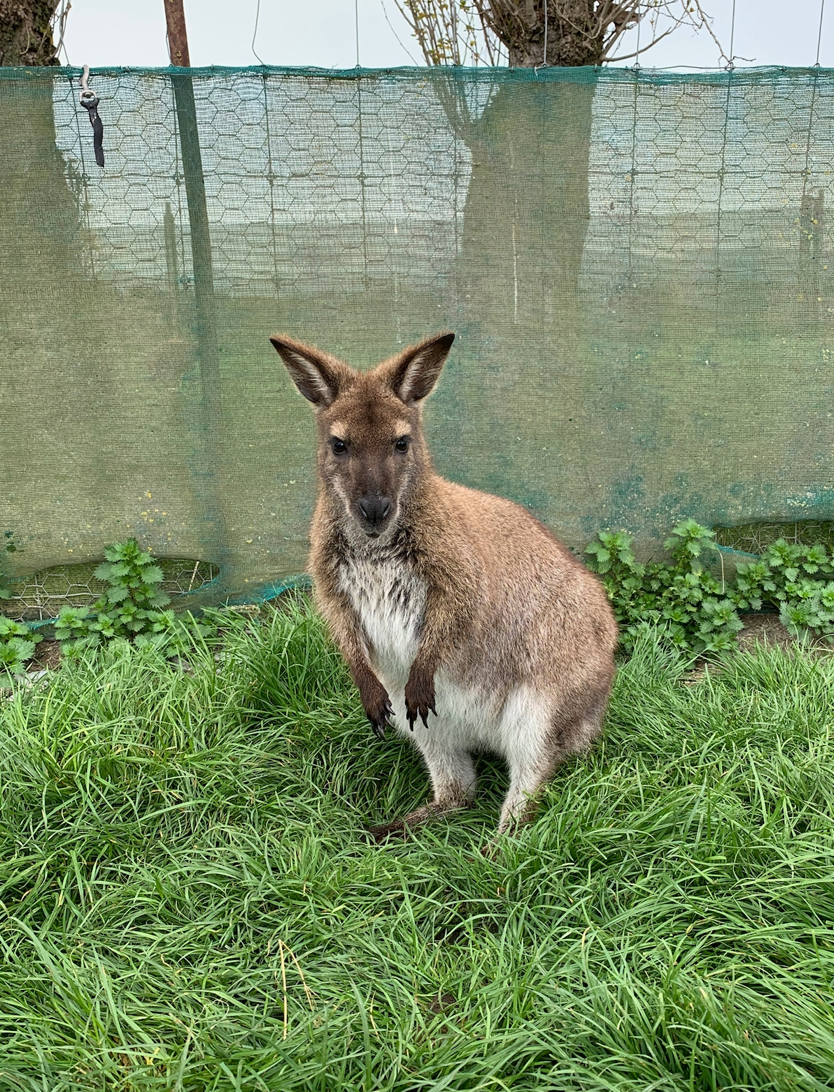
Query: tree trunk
{"points": [[39, 228], [558, 33], [524, 226], [26, 32], [40, 225], [526, 211]]}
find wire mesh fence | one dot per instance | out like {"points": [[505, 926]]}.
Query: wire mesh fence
{"points": [[40, 596], [637, 265]]}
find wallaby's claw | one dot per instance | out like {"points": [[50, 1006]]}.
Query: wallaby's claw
{"points": [[380, 716], [419, 698], [419, 711]]}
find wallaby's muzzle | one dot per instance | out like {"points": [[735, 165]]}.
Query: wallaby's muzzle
{"points": [[374, 512]]}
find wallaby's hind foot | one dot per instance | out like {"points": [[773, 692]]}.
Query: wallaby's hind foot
{"points": [[399, 828], [454, 785]]}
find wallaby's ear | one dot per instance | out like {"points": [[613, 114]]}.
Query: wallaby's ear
{"points": [[413, 373], [318, 376]]}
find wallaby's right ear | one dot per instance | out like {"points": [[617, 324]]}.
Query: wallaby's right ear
{"points": [[318, 376]]}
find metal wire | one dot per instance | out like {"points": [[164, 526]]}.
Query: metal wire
{"points": [[410, 256], [637, 50], [60, 20], [730, 60], [819, 35], [255, 32]]}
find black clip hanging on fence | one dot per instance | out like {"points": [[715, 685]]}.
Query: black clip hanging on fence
{"points": [[89, 100]]}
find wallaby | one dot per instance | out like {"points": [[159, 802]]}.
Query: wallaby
{"points": [[444, 600]]}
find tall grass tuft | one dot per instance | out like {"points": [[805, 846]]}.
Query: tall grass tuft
{"points": [[188, 901]]}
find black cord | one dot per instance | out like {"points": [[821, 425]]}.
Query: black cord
{"points": [[89, 100]]}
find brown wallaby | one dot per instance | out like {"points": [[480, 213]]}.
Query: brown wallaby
{"points": [[444, 600]]}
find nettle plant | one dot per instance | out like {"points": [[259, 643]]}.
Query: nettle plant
{"points": [[700, 608], [17, 646], [17, 639], [133, 607], [683, 595], [795, 579]]}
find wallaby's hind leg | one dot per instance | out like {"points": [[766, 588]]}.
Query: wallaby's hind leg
{"points": [[453, 779], [521, 800], [452, 773], [537, 743]]}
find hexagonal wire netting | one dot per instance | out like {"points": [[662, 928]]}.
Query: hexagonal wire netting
{"points": [[41, 595], [754, 538], [636, 263]]}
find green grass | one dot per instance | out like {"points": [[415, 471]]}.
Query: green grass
{"points": [[188, 901]]}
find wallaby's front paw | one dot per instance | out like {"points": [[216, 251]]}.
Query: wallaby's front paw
{"points": [[419, 697], [378, 709]]}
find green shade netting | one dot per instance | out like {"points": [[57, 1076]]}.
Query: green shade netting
{"points": [[636, 265]]}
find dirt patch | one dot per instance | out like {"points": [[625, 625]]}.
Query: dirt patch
{"points": [[763, 629], [47, 657], [441, 1003], [759, 629]]}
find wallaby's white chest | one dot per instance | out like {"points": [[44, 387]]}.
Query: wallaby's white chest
{"points": [[390, 600]]}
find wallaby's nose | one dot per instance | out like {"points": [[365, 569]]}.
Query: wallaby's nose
{"points": [[375, 510]]}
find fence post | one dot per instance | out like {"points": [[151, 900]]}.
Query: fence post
{"points": [[198, 222]]}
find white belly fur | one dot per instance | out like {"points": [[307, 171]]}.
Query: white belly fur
{"points": [[390, 601]]}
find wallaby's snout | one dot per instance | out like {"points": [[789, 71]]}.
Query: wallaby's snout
{"points": [[374, 512], [361, 467], [364, 472]]}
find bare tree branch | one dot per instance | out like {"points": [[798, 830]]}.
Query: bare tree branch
{"points": [[460, 32]]}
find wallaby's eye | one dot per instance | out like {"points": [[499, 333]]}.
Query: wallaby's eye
{"points": [[402, 443], [339, 446]]}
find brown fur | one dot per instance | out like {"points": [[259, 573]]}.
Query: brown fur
{"points": [[500, 609]]}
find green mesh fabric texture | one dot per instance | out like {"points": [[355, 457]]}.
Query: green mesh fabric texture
{"points": [[636, 265]]}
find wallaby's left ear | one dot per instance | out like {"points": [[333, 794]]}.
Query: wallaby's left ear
{"points": [[413, 373]]}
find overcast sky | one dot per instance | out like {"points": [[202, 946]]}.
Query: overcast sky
{"points": [[323, 33]]}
